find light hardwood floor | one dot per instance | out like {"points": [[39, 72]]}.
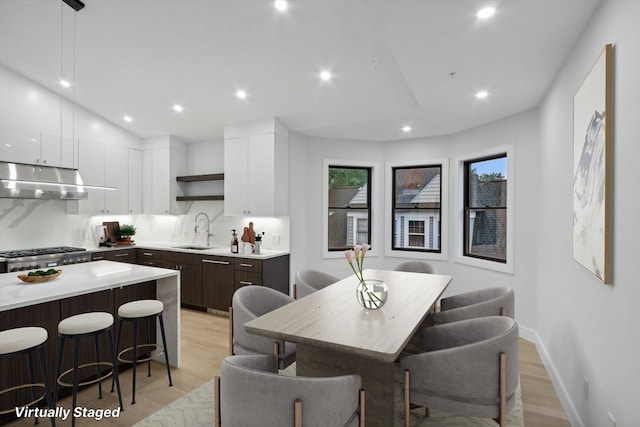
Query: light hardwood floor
{"points": [[205, 344]]}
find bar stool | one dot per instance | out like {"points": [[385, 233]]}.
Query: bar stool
{"points": [[80, 326], [142, 310], [14, 342]]}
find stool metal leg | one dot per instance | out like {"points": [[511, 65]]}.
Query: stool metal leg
{"points": [[98, 370], [32, 380], [117, 349], [58, 371], [166, 349], [148, 354], [76, 361], [135, 359], [114, 359], [45, 378]]}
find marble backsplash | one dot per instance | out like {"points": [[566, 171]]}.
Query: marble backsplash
{"points": [[28, 224]]}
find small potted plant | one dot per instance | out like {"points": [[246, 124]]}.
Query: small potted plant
{"points": [[125, 231]]}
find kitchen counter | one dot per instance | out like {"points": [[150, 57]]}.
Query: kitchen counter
{"points": [[180, 247], [81, 279]]}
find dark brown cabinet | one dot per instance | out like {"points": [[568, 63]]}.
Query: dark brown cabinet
{"points": [[14, 371], [186, 263], [209, 281], [217, 281], [190, 269], [47, 315], [272, 272], [121, 255]]}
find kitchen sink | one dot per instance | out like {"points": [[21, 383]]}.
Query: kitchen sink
{"points": [[198, 248]]}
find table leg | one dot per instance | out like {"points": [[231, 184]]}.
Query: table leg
{"points": [[377, 378]]}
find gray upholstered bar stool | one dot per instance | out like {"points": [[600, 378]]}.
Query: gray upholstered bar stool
{"points": [[83, 326], [135, 311], [27, 340]]}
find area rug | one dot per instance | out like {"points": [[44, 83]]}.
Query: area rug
{"points": [[196, 408]]}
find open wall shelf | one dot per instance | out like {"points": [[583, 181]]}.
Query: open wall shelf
{"points": [[200, 178], [207, 177]]}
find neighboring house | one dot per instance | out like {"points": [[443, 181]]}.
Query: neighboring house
{"points": [[417, 215], [345, 221], [487, 227]]}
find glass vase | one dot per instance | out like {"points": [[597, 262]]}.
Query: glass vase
{"points": [[372, 294]]}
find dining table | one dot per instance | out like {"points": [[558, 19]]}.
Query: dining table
{"points": [[335, 335]]}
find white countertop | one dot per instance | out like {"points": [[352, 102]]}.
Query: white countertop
{"points": [[77, 279], [178, 247]]}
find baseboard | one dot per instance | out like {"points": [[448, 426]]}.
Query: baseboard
{"points": [[565, 400]]}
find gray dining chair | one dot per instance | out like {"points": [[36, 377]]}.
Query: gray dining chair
{"points": [[309, 281], [468, 368], [249, 393], [416, 267], [248, 303], [497, 301]]}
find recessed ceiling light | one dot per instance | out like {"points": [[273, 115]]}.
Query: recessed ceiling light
{"points": [[241, 94], [127, 119], [482, 94], [406, 129], [486, 12], [65, 83], [177, 108], [325, 75], [281, 5]]}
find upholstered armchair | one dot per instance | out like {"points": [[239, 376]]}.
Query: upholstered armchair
{"points": [[468, 367], [309, 281], [248, 303], [249, 393], [498, 301], [415, 267]]}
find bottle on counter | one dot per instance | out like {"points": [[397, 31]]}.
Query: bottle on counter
{"points": [[234, 242]]}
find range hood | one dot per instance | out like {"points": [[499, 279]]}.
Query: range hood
{"points": [[22, 181]]}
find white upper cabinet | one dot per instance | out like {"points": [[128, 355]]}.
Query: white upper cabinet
{"points": [[256, 170], [164, 159], [91, 167], [36, 148], [110, 166], [135, 181], [19, 145], [116, 174]]}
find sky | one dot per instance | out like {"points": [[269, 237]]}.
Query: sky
{"points": [[492, 166]]}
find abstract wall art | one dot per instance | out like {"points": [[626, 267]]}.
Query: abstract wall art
{"points": [[592, 158]]}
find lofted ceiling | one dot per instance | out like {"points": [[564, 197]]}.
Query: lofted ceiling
{"points": [[392, 61]]}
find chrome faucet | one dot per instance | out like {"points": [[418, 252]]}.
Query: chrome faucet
{"points": [[195, 228]]}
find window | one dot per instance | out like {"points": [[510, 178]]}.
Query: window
{"points": [[485, 208], [349, 207], [416, 208]]}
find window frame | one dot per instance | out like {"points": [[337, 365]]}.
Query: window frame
{"points": [[460, 238], [372, 194], [417, 253]]}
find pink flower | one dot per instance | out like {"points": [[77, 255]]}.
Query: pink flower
{"points": [[358, 253], [348, 255], [365, 248]]}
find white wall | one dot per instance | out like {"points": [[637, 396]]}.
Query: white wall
{"points": [[306, 156], [521, 131], [25, 104], [588, 329], [39, 223]]}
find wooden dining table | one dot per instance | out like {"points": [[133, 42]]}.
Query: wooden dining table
{"points": [[334, 335]]}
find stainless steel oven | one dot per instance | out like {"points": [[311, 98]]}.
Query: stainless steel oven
{"points": [[33, 259]]}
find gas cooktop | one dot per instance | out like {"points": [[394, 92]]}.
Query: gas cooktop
{"points": [[41, 251], [31, 259]]}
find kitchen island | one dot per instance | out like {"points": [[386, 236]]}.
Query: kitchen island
{"points": [[80, 280]]}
